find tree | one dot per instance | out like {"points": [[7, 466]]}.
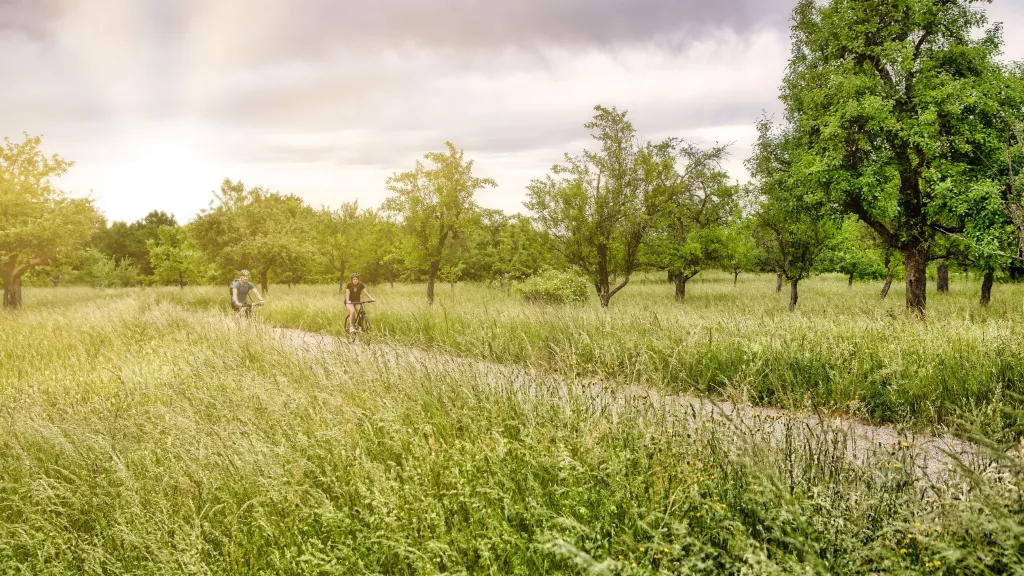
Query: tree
{"points": [[110, 272], [522, 251], [121, 240], [176, 258], [435, 204], [792, 224], [39, 224], [695, 208], [254, 229], [740, 251], [336, 238], [598, 207], [892, 100]]}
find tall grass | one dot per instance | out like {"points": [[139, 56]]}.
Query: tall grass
{"points": [[842, 350], [138, 436]]}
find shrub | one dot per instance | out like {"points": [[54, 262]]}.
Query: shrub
{"points": [[555, 287]]}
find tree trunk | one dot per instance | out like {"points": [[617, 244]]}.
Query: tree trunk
{"points": [[263, 282], [967, 274], [341, 282], [735, 277], [916, 261], [12, 291], [778, 282], [986, 287], [886, 286], [793, 294], [942, 277], [681, 287], [888, 275], [431, 277], [453, 288], [850, 283]]}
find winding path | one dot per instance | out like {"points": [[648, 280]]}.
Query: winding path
{"points": [[933, 456]]}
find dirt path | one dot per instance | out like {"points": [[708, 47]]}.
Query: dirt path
{"points": [[932, 455]]}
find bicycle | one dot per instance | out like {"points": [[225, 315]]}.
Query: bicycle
{"points": [[362, 318], [246, 310]]}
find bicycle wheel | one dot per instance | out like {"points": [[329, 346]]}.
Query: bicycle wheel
{"points": [[348, 320], [364, 322]]}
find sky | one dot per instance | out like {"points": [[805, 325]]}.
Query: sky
{"points": [[157, 101]]}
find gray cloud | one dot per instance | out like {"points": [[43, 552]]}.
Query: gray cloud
{"points": [[159, 99], [302, 26]]}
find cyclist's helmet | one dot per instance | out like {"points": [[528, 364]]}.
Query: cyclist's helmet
{"points": [[354, 275]]}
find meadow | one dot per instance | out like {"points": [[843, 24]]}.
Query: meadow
{"points": [[842, 351], [148, 431]]}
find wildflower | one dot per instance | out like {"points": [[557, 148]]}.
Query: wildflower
{"points": [[903, 550]]}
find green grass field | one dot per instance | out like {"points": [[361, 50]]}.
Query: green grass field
{"points": [[842, 350], [148, 431]]}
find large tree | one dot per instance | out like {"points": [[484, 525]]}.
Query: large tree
{"points": [[598, 207], [39, 224], [436, 204], [792, 227], [892, 98], [696, 205], [254, 229]]}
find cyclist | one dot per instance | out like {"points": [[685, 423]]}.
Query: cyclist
{"points": [[353, 299], [240, 293]]}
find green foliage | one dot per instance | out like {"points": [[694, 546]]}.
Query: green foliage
{"points": [[554, 287], [176, 259], [793, 227], [255, 229], [696, 206], [338, 237], [895, 104], [598, 207], [39, 224], [122, 240], [437, 209], [854, 252], [105, 271]]}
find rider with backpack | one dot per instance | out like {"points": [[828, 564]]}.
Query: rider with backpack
{"points": [[240, 293]]}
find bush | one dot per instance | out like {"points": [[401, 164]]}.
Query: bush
{"points": [[555, 287]]}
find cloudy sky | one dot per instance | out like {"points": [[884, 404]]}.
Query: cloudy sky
{"points": [[158, 100]]}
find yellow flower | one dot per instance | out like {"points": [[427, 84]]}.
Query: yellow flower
{"points": [[903, 550]]}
